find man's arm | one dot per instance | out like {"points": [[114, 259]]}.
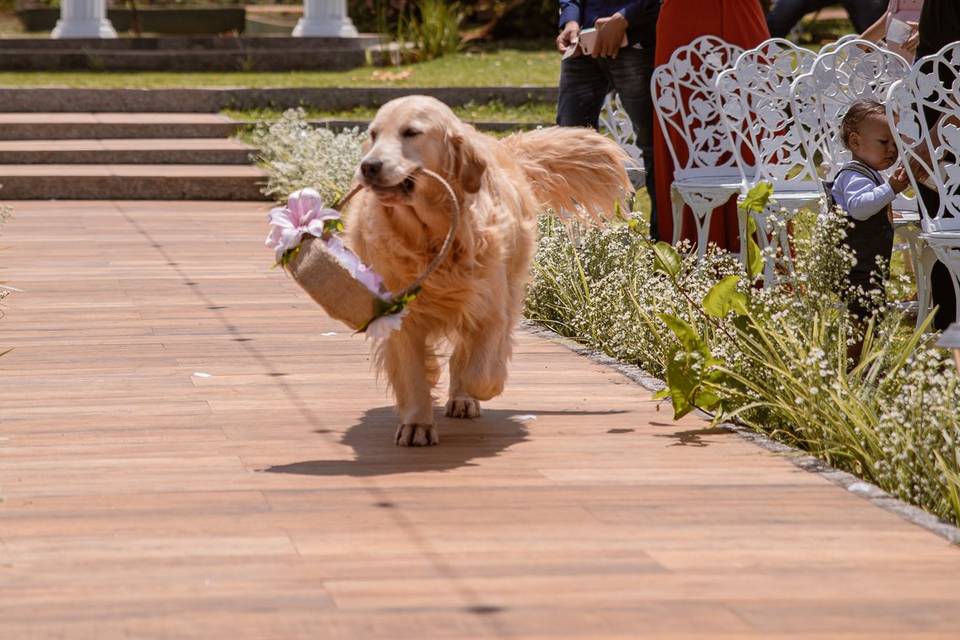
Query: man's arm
{"points": [[634, 11], [570, 11]]}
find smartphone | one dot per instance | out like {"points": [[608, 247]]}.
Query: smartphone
{"points": [[588, 40]]}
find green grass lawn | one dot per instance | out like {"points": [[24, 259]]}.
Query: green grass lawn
{"points": [[504, 67], [535, 112]]}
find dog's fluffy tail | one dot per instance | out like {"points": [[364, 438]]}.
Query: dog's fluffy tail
{"points": [[573, 170]]}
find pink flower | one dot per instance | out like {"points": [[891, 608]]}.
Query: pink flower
{"points": [[304, 213]]}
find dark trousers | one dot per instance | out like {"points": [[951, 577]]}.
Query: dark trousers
{"points": [[585, 82], [941, 281], [785, 14]]}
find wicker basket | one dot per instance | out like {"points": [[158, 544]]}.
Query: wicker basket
{"points": [[331, 285], [345, 298]]}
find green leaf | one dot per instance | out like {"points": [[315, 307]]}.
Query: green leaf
{"points": [[724, 298], [659, 395], [666, 259], [707, 400], [757, 198], [754, 258], [680, 381], [686, 334]]}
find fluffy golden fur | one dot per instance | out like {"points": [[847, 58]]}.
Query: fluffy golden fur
{"points": [[474, 299]]}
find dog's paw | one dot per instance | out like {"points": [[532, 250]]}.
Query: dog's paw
{"points": [[463, 407], [417, 435]]}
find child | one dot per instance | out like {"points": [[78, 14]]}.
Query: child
{"points": [[865, 196]]}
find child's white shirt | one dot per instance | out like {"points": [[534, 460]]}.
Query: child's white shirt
{"points": [[860, 196]]}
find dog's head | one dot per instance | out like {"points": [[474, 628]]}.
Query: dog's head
{"points": [[417, 132]]}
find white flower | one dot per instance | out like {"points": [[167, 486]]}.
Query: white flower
{"points": [[383, 326]]}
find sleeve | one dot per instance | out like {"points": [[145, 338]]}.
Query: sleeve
{"points": [[860, 197], [570, 10], [634, 11]]}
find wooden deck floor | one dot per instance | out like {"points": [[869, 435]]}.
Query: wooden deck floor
{"points": [[189, 449]]}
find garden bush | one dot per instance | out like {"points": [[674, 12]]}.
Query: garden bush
{"points": [[776, 359], [297, 155]]}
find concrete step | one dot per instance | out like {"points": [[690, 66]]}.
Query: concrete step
{"points": [[181, 60], [130, 182], [87, 126], [150, 151], [196, 43]]}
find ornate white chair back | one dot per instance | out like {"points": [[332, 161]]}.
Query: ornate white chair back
{"points": [[932, 90], [615, 122], [853, 71], [754, 99], [684, 99]]}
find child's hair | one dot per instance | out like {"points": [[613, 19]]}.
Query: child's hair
{"points": [[856, 114]]}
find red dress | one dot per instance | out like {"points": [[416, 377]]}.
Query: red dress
{"points": [[739, 22]]}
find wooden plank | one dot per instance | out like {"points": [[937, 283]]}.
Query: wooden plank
{"points": [[266, 499]]}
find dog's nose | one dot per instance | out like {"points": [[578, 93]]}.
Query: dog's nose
{"points": [[370, 168]]}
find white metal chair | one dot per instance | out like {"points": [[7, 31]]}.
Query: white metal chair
{"points": [[855, 70], [754, 100], [615, 122], [850, 71], [933, 89], [842, 40], [705, 171]]}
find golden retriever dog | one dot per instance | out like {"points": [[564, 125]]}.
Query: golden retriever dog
{"points": [[474, 300]]}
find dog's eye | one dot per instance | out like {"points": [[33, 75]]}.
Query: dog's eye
{"points": [[411, 133], [373, 136]]}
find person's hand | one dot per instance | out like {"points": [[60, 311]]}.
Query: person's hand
{"points": [[899, 180], [919, 173], [609, 36], [914, 40], [568, 36]]}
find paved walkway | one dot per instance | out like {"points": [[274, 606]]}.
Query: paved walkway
{"points": [[189, 449]]}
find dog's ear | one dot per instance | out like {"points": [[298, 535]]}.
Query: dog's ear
{"points": [[469, 165]]}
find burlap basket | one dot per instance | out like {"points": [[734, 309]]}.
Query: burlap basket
{"points": [[318, 271], [331, 285]]}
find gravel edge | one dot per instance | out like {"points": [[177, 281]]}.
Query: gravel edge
{"points": [[799, 458]]}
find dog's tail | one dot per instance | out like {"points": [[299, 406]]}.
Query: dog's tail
{"points": [[573, 170]]}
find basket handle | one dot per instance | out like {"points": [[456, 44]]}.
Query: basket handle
{"points": [[438, 259]]}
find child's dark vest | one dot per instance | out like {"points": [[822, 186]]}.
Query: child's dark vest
{"points": [[871, 237]]}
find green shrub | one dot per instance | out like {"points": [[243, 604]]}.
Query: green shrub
{"points": [[297, 155], [433, 27], [776, 359]]}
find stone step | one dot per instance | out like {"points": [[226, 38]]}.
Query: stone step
{"points": [[130, 182], [196, 43], [87, 126], [150, 151], [181, 60]]}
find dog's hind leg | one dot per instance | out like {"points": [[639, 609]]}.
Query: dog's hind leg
{"points": [[412, 371], [478, 369]]}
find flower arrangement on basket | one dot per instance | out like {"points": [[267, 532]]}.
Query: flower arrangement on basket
{"points": [[305, 237]]}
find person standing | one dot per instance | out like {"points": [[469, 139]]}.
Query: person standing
{"points": [[785, 14], [585, 80], [939, 26], [905, 44], [739, 22]]}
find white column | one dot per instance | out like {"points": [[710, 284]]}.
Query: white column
{"points": [[325, 18], [83, 19]]}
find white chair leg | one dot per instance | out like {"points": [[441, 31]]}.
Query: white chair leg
{"points": [[676, 200], [923, 268], [702, 219]]}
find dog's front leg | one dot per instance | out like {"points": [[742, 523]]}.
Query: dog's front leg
{"points": [[412, 372]]}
